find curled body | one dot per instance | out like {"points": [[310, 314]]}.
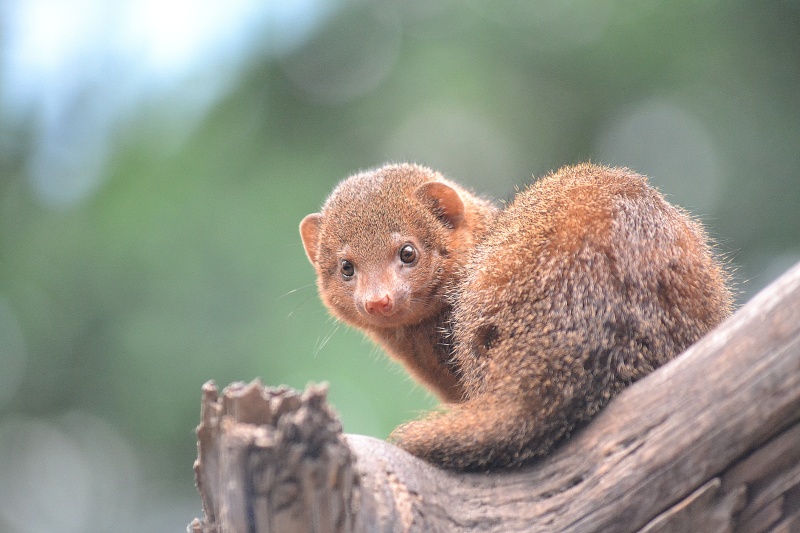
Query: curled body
{"points": [[586, 282], [388, 247]]}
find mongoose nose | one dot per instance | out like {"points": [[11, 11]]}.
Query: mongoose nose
{"points": [[382, 306]]}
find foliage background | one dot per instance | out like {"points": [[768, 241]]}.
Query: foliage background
{"points": [[152, 180]]}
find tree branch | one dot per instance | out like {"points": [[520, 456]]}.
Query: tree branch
{"points": [[709, 442]]}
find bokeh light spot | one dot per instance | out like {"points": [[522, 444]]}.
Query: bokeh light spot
{"points": [[669, 145], [462, 144]]}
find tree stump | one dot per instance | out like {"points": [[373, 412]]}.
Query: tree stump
{"points": [[709, 442]]}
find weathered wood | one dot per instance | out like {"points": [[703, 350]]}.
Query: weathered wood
{"points": [[272, 460], [776, 456], [790, 524], [707, 509], [709, 442], [771, 475]]}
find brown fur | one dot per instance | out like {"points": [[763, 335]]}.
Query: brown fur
{"points": [[588, 281], [367, 220]]}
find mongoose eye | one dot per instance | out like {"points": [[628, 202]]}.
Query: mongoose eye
{"points": [[347, 269], [408, 254]]}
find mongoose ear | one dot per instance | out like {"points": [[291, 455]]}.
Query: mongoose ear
{"points": [[309, 231], [443, 201]]}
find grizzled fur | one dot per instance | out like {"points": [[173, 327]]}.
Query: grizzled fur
{"points": [[586, 282]]}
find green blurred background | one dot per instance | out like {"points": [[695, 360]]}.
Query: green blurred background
{"points": [[157, 156]]}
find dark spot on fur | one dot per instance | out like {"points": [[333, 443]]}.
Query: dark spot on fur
{"points": [[623, 329], [486, 337]]}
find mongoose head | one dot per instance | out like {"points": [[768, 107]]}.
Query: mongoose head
{"points": [[385, 245]]}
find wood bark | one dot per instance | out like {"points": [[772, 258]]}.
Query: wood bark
{"points": [[709, 442]]}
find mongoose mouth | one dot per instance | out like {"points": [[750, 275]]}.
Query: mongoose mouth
{"points": [[397, 317], [393, 317]]}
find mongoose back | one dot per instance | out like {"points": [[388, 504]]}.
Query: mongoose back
{"points": [[586, 282], [387, 248]]}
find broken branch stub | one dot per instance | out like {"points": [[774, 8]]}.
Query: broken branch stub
{"points": [[272, 460]]}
